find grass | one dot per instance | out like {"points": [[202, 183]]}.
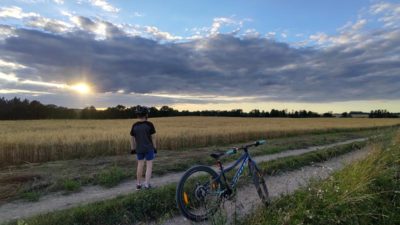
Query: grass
{"points": [[31, 196], [71, 185], [160, 202], [95, 171], [294, 162], [367, 192], [110, 177], [50, 140]]}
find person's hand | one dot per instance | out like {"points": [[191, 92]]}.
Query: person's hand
{"points": [[133, 151]]}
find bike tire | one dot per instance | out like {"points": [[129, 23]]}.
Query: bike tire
{"points": [[180, 193], [259, 183]]}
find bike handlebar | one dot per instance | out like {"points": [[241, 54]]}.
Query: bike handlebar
{"points": [[235, 149], [255, 144]]}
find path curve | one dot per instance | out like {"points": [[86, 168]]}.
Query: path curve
{"points": [[57, 201]]}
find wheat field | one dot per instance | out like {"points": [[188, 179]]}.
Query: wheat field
{"points": [[48, 140]]}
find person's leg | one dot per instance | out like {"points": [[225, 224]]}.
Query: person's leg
{"points": [[139, 171], [149, 167], [149, 170]]}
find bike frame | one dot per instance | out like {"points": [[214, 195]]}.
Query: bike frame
{"points": [[245, 158]]}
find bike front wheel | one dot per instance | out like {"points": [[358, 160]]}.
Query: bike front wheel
{"points": [[259, 183], [198, 193]]}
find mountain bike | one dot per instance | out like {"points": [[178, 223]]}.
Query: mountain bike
{"points": [[201, 189]]}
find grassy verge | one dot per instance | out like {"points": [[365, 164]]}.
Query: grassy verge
{"points": [[160, 203], [367, 192]]}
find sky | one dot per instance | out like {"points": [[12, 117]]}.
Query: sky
{"points": [[315, 55]]}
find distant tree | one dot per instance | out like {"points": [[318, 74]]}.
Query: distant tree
{"points": [[16, 108], [327, 114], [167, 111], [254, 113], [382, 113], [89, 113]]}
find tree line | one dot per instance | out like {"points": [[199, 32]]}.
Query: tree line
{"points": [[382, 114], [16, 109]]}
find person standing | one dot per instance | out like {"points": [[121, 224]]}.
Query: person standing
{"points": [[143, 144]]}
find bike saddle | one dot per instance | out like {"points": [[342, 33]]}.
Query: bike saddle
{"points": [[217, 155]]}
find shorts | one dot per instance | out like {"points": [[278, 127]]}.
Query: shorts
{"points": [[149, 155]]}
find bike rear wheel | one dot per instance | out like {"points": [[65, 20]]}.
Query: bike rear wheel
{"points": [[259, 183], [198, 193]]}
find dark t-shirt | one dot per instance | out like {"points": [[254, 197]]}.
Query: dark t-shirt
{"points": [[142, 132]]}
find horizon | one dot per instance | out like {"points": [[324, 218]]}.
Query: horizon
{"points": [[337, 56], [213, 109]]}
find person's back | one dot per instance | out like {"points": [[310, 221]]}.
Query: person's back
{"points": [[143, 144], [142, 132]]}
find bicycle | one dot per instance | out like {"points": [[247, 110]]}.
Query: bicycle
{"points": [[201, 189]]}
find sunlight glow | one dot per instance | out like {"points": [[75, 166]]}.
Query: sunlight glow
{"points": [[82, 88]]}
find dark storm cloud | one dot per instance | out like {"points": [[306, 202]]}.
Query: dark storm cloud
{"points": [[224, 65]]}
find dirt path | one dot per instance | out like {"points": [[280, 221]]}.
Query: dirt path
{"points": [[58, 201], [248, 200]]}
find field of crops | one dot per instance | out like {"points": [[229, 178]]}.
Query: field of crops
{"points": [[47, 140]]}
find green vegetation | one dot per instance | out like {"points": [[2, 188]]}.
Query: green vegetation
{"points": [[111, 177], [52, 175], [294, 162], [71, 185], [31, 196], [152, 204], [367, 192]]}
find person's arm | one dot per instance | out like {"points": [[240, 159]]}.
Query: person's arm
{"points": [[133, 143], [153, 139]]}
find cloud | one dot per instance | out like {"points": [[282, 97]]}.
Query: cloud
{"points": [[32, 19], [138, 14], [15, 12], [218, 22], [8, 77], [319, 37], [20, 91], [60, 2], [6, 32], [10, 65], [270, 35], [211, 66], [99, 28], [251, 33], [390, 13], [222, 65], [104, 5], [359, 24], [161, 35], [47, 24], [217, 25]]}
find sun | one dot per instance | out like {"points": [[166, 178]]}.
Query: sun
{"points": [[81, 88]]}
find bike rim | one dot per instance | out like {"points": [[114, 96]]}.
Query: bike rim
{"points": [[200, 194]]}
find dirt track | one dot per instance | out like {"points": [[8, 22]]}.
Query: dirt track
{"points": [[58, 201]]}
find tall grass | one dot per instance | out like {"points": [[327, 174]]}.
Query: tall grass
{"points": [[48, 140], [367, 192]]}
